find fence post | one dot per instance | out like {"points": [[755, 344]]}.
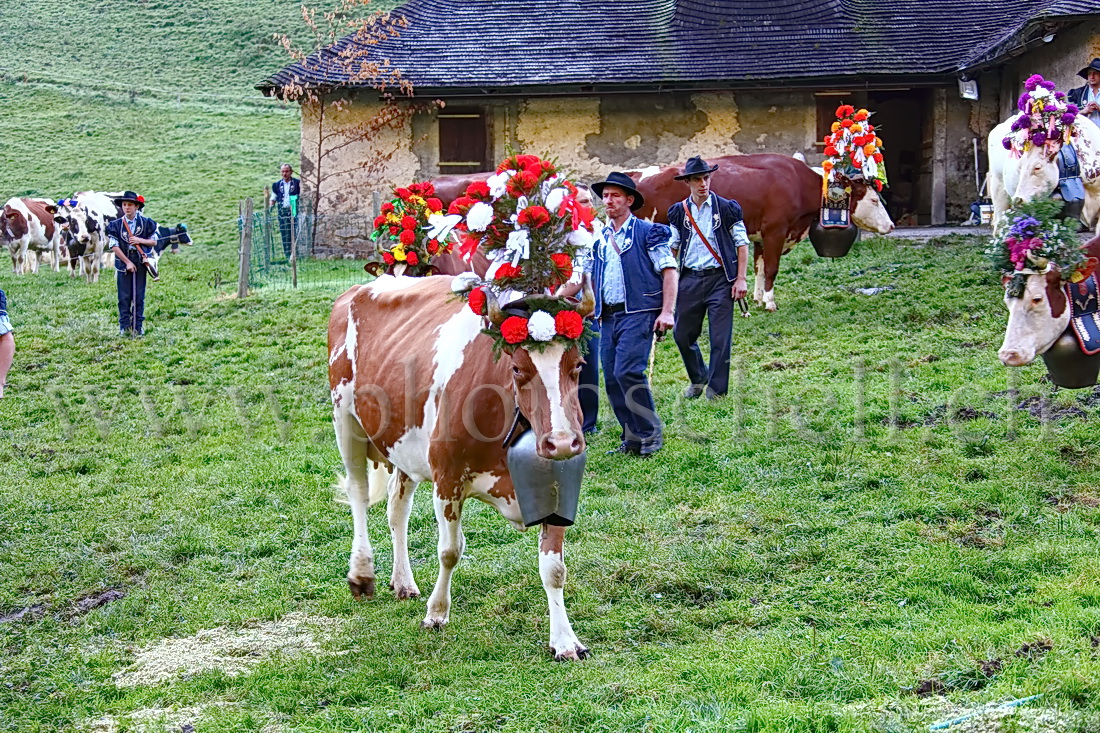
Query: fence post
{"points": [[269, 240], [246, 249], [293, 252]]}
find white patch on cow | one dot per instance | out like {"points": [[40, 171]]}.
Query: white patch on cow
{"points": [[410, 453], [769, 300], [548, 365], [758, 288], [480, 486], [351, 338], [648, 172], [563, 641], [389, 284]]}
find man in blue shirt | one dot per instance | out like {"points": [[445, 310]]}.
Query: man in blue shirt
{"points": [[711, 241], [132, 238], [634, 277]]}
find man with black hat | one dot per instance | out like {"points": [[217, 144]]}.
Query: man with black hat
{"points": [[634, 277], [132, 238], [1087, 97], [709, 237]]}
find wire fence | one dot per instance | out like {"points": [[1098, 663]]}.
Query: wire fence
{"points": [[281, 250]]}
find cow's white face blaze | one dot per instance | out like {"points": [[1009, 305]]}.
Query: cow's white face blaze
{"points": [[1038, 174], [1035, 320], [547, 385], [869, 213]]}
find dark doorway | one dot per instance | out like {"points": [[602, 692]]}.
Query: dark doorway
{"points": [[902, 118]]}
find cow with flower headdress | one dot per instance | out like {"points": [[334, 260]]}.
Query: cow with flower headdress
{"points": [[439, 379], [1047, 146]]}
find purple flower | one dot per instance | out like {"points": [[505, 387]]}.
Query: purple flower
{"points": [[1048, 85], [1021, 123], [1023, 102], [1033, 82], [1068, 118], [1038, 138], [1049, 108], [1007, 142], [1072, 109], [1060, 96]]}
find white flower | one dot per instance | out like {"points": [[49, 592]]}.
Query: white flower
{"points": [[498, 183], [554, 199], [540, 326], [518, 246], [440, 225], [580, 238], [479, 216], [464, 281]]}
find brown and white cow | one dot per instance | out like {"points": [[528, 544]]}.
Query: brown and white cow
{"points": [[86, 221], [418, 396], [28, 230], [1034, 175], [1039, 317], [780, 197]]}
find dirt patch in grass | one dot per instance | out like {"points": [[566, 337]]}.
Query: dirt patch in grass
{"points": [[27, 613], [1037, 407], [779, 366], [1064, 501], [230, 651]]}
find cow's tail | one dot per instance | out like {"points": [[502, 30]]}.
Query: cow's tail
{"points": [[377, 486]]}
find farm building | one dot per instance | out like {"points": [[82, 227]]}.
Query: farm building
{"points": [[625, 85]]}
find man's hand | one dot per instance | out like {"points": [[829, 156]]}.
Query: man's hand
{"points": [[663, 323], [1092, 107], [130, 266], [740, 288]]}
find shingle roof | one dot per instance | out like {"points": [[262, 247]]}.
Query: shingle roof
{"points": [[500, 44]]}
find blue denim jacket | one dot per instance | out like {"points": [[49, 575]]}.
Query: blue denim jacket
{"points": [[3, 304], [644, 282]]}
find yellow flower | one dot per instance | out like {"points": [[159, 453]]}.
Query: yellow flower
{"points": [[835, 126], [399, 253], [393, 218]]}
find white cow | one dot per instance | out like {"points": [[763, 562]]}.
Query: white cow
{"points": [[1035, 174], [27, 228]]}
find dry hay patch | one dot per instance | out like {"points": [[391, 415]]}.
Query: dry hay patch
{"points": [[229, 651], [154, 720]]}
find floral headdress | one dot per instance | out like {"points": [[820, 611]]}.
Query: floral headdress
{"points": [[1044, 117], [1036, 241], [403, 232], [853, 149], [529, 222]]}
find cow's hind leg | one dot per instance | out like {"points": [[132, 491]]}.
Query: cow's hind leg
{"points": [[448, 515], [563, 642], [773, 248], [353, 445], [401, 489], [758, 272]]}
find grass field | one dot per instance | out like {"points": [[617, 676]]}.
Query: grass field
{"points": [[874, 516]]}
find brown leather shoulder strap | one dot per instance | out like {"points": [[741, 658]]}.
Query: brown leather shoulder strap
{"points": [[713, 252]]}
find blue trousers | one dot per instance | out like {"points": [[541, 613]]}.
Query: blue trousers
{"points": [[131, 299], [590, 381], [626, 341]]}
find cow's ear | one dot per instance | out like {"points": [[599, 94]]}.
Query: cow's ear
{"points": [[51, 208], [1005, 280]]}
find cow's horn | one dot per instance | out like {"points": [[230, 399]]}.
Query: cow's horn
{"points": [[588, 300], [496, 316]]}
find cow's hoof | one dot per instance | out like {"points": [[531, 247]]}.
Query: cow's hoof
{"points": [[362, 588], [405, 592], [574, 653], [433, 624]]}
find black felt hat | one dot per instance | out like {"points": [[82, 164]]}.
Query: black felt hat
{"points": [[130, 196], [1094, 66], [695, 167], [624, 182]]}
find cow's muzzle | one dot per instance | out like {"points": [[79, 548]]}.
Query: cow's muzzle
{"points": [[1015, 358], [561, 444]]}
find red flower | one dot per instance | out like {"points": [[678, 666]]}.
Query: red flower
{"points": [[478, 189], [830, 150], [407, 237], [460, 205], [548, 167], [379, 221], [521, 184], [861, 116], [877, 157], [844, 110], [569, 324], [433, 247], [403, 193], [846, 123], [878, 185], [564, 263], [412, 258], [524, 161], [507, 271], [856, 163], [434, 204], [534, 217], [387, 207], [469, 245], [514, 329], [394, 229], [476, 301], [408, 222], [387, 258], [533, 170], [869, 128]]}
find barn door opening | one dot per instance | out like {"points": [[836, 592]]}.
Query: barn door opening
{"points": [[463, 140], [903, 120]]}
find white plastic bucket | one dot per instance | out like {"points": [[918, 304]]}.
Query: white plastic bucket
{"points": [[985, 214]]}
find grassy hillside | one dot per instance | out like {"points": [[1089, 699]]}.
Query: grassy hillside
{"points": [[875, 535]]}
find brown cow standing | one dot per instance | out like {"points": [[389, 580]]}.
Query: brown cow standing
{"points": [[28, 230], [418, 396], [779, 195]]}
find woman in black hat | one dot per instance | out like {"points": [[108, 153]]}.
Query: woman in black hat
{"points": [[1087, 97], [132, 238]]}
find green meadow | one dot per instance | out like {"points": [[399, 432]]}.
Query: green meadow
{"points": [[882, 529]]}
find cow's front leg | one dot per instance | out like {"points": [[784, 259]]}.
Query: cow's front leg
{"points": [[758, 270], [352, 443], [401, 489], [563, 642], [773, 247], [448, 515]]}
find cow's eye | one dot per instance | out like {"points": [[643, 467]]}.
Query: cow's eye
{"points": [[1036, 300]]}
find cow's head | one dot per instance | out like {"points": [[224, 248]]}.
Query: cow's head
{"points": [[1038, 172], [180, 235], [867, 210], [84, 225], [14, 224], [546, 383], [1037, 315]]}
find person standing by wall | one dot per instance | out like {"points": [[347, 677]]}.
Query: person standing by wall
{"points": [[1087, 97], [284, 196], [7, 343], [132, 238], [711, 241], [634, 278]]}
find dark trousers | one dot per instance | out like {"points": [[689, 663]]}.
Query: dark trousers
{"points": [[286, 224], [590, 381], [626, 339], [705, 294], [131, 299]]}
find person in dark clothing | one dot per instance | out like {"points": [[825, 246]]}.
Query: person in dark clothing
{"points": [[132, 238], [1087, 97], [284, 196], [711, 242]]}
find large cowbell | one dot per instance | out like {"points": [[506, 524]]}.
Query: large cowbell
{"points": [[832, 234], [1068, 365], [547, 491]]}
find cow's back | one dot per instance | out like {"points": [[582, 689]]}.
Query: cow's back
{"points": [[40, 222], [773, 190]]}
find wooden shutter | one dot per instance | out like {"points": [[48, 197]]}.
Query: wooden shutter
{"points": [[463, 140]]}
